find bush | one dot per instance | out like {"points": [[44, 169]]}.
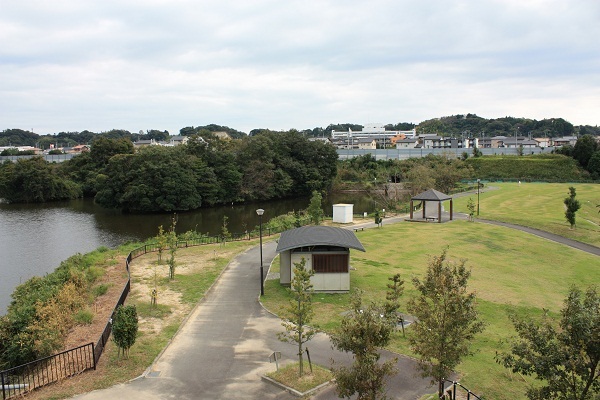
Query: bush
{"points": [[125, 327]]}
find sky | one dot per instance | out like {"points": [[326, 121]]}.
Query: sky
{"points": [[72, 65]]}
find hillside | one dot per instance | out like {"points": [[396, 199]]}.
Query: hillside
{"points": [[544, 167]]}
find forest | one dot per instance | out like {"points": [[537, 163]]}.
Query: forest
{"points": [[164, 179]]}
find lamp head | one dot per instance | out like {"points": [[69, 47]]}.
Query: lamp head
{"points": [[260, 212]]}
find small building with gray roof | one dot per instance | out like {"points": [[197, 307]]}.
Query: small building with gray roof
{"points": [[326, 251]]}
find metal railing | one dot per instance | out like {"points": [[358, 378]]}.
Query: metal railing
{"points": [[451, 390], [19, 380]]}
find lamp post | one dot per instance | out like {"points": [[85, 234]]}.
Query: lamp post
{"points": [[260, 213], [478, 180]]}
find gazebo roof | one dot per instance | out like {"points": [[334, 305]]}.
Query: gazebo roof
{"points": [[318, 236], [432, 195]]}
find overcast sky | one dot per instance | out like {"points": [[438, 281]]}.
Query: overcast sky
{"points": [[280, 64]]}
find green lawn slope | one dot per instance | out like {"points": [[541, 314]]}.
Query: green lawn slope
{"points": [[512, 271]]}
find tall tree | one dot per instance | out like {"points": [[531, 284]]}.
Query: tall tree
{"points": [[364, 331], [565, 358], [172, 243], [584, 149], [572, 205], [446, 318], [300, 311]]}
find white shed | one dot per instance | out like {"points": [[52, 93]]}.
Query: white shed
{"points": [[343, 213]]}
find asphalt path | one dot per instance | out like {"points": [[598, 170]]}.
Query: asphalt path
{"points": [[222, 349]]}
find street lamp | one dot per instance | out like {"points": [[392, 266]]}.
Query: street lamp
{"points": [[478, 184], [260, 213]]}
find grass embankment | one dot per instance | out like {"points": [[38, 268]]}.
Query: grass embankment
{"points": [[540, 205], [511, 271], [544, 167], [198, 267]]}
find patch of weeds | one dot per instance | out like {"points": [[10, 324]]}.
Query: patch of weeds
{"points": [[84, 317], [148, 310], [289, 376], [99, 290], [93, 273]]}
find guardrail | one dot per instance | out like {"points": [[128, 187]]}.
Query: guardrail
{"points": [[451, 390], [35, 374], [19, 380]]}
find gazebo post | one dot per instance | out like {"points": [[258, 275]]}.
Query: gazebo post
{"points": [[411, 209], [450, 209], [424, 203], [439, 212]]}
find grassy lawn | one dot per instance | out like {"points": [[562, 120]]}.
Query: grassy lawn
{"points": [[540, 205], [511, 271]]}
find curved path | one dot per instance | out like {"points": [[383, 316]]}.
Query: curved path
{"points": [[222, 349]]}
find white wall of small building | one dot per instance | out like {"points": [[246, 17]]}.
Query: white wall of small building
{"points": [[322, 282]]}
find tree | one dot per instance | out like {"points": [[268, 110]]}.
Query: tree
{"points": [[572, 205], [446, 318], [315, 208], [161, 242], [35, 180], [299, 311], [594, 165], [365, 330], [378, 218], [584, 149], [471, 208], [124, 328], [392, 303], [566, 359], [225, 234], [172, 243]]}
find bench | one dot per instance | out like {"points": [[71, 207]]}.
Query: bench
{"points": [[359, 229], [430, 219]]}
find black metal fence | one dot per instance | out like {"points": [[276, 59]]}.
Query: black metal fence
{"points": [[23, 378], [451, 390], [19, 380]]}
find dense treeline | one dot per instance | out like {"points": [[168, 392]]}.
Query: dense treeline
{"points": [[472, 125], [455, 125], [416, 174], [203, 172], [587, 153], [19, 137]]}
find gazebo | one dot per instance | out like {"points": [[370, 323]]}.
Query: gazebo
{"points": [[430, 196]]}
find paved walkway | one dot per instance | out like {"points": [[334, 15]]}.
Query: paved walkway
{"points": [[223, 347]]}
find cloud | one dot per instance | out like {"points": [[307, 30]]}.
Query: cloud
{"points": [[99, 65]]}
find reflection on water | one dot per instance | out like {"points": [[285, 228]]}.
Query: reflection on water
{"points": [[35, 238]]}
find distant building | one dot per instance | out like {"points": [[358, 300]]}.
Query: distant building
{"points": [[565, 141], [371, 129], [177, 140]]}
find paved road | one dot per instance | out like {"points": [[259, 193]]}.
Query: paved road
{"points": [[222, 349]]}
